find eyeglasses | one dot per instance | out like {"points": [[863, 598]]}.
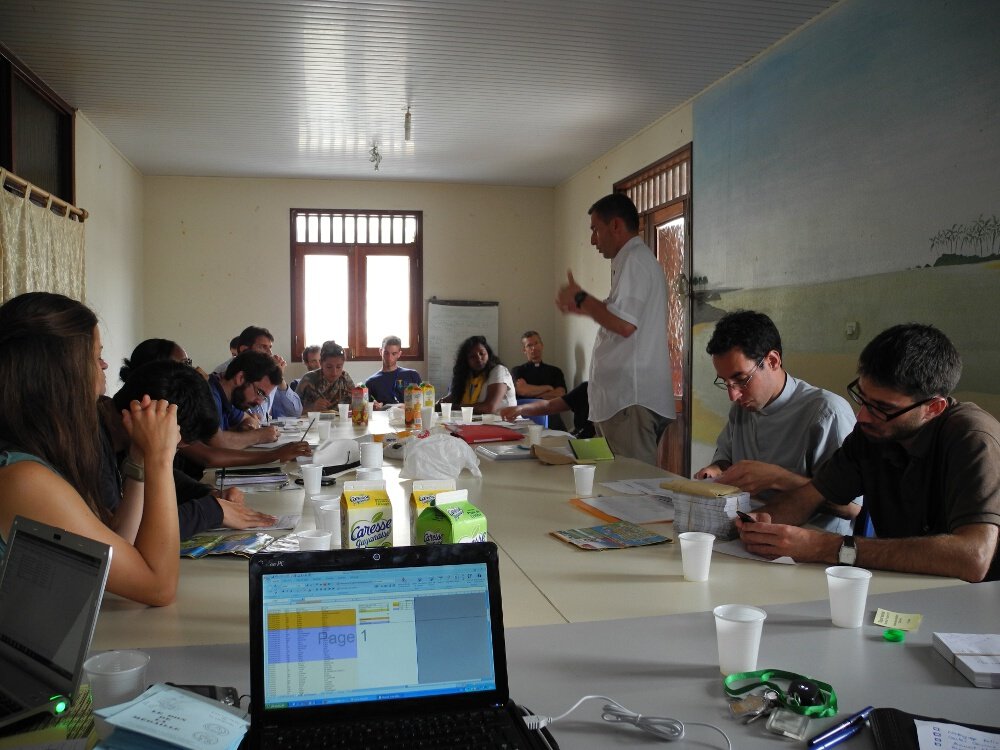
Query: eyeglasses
{"points": [[739, 384], [187, 361], [261, 394], [885, 416]]}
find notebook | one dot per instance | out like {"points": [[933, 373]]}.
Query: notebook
{"points": [[51, 588], [484, 433], [345, 640]]}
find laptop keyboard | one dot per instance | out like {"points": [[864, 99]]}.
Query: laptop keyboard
{"points": [[490, 730]]}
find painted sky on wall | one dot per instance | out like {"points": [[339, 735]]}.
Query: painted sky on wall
{"points": [[843, 151]]}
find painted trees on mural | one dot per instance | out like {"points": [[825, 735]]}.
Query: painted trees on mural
{"points": [[968, 243]]}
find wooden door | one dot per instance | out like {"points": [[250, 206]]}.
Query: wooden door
{"points": [[667, 233]]}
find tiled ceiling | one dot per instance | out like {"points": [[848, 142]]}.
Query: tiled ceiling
{"points": [[512, 92]]}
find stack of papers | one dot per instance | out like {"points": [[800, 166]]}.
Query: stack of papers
{"points": [[167, 717], [705, 506], [975, 655], [250, 476]]}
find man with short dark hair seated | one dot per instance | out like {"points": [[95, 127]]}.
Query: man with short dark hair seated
{"points": [[538, 379], [282, 401], [247, 382], [386, 386], [927, 465]]}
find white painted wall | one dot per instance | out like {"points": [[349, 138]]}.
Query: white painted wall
{"points": [[111, 190], [217, 255]]}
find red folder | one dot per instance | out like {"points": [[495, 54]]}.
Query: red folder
{"points": [[484, 433]]}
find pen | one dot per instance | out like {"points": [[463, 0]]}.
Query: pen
{"points": [[744, 517], [840, 732], [302, 439]]}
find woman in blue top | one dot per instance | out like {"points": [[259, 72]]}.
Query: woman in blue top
{"points": [[51, 373]]}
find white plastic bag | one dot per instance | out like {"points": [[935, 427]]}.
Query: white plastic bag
{"points": [[439, 457]]}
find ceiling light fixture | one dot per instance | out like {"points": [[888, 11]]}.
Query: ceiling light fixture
{"points": [[374, 156], [406, 125]]}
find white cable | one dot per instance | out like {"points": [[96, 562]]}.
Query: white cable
{"points": [[658, 726]]}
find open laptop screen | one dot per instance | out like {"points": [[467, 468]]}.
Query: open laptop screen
{"points": [[352, 636]]}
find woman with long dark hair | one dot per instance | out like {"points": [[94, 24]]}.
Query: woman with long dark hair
{"points": [[51, 373], [479, 379]]}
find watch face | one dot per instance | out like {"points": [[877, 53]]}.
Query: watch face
{"points": [[848, 554]]}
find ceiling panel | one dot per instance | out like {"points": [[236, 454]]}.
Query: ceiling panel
{"points": [[513, 92]]}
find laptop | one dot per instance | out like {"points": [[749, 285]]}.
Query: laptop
{"points": [[51, 588], [348, 644]]}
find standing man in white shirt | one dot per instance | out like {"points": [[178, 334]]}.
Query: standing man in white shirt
{"points": [[631, 389]]}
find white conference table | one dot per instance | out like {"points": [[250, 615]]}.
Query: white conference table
{"points": [[545, 581], [667, 666]]}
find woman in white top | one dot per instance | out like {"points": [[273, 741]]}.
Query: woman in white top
{"points": [[479, 380]]}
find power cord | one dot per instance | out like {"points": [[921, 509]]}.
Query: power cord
{"points": [[659, 726]]}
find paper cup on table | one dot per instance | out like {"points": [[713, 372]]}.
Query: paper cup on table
{"points": [[371, 455], [583, 478], [427, 417], [317, 501], [848, 595], [312, 478], [314, 539], [323, 427], [368, 475], [696, 554], [737, 630], [467, 414], [328, 519], [445, 412], [115, 677], [343, 409], [314, 416], [534, 434]]}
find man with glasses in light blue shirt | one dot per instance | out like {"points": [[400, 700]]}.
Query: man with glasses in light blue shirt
{"points": [[780, 429], [246, 383]]}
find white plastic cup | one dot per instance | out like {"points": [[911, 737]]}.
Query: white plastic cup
{"points": [[696, 554], [343, 409], [328, 519], [312, 478], [848, 595], [368, 475], [314, 539], [737, 630], [467, 414], [371, 455], [115, 677], [583, 478], [323, 426], [316, 501], [445, 412], [427, 417], [534, 434]]}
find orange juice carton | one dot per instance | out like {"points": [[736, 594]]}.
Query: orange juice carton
{"points": [[422, 497], [451, 520], [365, 515]]}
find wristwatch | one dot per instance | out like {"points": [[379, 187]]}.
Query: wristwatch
{"points": [[132, 470], [579, 297], [848, 554]]}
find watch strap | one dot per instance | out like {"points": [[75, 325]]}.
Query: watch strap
{"points": [[579, 297], [132, 470]]}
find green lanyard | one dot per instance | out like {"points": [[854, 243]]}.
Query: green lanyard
{"points": [[765, 677]]}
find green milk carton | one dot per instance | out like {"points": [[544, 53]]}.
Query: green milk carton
{"points": [[451, 520]]}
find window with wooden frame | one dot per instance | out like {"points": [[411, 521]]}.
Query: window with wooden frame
{"points": [[357, 277], [36, 130]]}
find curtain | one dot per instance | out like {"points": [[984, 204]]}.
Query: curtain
{"points": [[39, 250]]}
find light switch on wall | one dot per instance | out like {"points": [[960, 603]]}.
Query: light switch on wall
{"points": [[851, 329]]}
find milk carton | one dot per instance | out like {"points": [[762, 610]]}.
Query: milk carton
{"points": [[365, 515], [451, 520], [422, 497]]}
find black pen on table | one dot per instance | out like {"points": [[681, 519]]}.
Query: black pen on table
{"points": [[303, 438], [840, 732]]}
